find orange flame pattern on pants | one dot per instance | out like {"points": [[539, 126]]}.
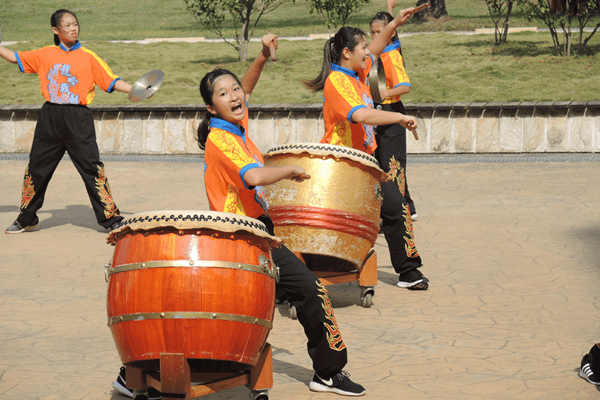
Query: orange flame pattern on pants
{"points": [[334, 337], [28, 190], [110, 209], [411, 248]]}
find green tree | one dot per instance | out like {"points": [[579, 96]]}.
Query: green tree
{"points": [[563, 15], [336, 12], [244, 14], [500, 9]]}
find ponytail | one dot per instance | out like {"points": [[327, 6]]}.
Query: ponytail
{"points": [[346, 37], [202, 132]]}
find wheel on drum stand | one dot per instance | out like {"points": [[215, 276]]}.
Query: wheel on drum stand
{"points": [[366, 296], [139, 395], [259, 395], [293, 312]]}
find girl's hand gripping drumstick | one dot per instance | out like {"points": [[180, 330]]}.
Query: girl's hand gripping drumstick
{"points": [[270, 41]]}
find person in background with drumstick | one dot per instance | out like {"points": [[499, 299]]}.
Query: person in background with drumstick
{"points": [[391, 139], [349, 117], [235, 177], [68, 75]]}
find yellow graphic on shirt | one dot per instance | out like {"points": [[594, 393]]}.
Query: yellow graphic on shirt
{"points": [[341, 83], [233, 202], [342, 133], [28, 190], [110, 208], [399, 67], [396, 173], [409, 236], [230, 147], [334, 337]]}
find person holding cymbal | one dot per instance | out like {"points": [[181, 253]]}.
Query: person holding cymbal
{"points": [[68, 75]]}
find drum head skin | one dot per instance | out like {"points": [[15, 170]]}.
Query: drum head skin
{"points": [[191, 219], [325, 150]]}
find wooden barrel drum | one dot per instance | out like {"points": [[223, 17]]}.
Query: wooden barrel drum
{"points": [[198, 283], [334, 213]]}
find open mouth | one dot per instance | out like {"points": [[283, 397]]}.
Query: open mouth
{"points": [[237, 108]]}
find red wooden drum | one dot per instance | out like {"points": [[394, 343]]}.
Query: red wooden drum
{"points": [[335, 212], [199, 283]]}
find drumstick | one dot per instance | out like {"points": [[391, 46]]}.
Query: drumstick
{"points": [[417, 9], [272, 49]]}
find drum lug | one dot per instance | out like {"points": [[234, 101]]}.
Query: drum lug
{"points": [[378, 192]]}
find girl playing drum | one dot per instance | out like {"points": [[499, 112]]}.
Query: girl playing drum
{"points": [[349, 117], [235, 177]]}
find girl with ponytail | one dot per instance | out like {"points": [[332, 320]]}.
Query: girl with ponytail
{"points": [[349, 118]]}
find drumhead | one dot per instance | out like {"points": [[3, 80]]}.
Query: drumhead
{"points": [[191, 219], [325, 149]]}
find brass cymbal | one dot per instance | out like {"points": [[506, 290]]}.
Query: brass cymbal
{"points": [[146, 86], [377, 80]]}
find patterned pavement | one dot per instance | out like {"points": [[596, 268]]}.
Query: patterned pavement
{"points": [[511, 250]]}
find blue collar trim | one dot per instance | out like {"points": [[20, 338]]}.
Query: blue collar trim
{"points": [[349, 72], [219, 123], [393, 46], [74, 47]]}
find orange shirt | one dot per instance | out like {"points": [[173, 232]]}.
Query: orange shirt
{"points": [[228, 155], [395, 75], [345, 92], [67, 76]]}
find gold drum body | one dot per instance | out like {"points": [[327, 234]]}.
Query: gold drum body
{"points": [[335, 212]]}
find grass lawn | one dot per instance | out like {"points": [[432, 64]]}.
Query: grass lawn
{"points": [[443, 67]]}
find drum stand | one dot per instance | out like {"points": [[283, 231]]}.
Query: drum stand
{"points": [[174, 380], [365, 275]]}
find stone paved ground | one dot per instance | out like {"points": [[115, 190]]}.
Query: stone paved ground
{"points": [[512, 251]]}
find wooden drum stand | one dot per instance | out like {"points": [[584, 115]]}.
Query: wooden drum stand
{"points": [[176, 381]]}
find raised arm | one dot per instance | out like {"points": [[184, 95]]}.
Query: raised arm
{"points": [[390, 6], [378, 44], [250, 78]]}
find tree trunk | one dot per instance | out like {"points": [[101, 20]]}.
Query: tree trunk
{"points": [[436, 9]]}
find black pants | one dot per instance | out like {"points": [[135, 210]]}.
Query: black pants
{"points": [[67, 128], [302, 289], [394, 136], [395, 211]]}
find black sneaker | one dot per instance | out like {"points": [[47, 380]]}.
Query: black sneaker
{"points": [[339, 384], [16, 227], [413, 280], [586, 371], [120, 386]]}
